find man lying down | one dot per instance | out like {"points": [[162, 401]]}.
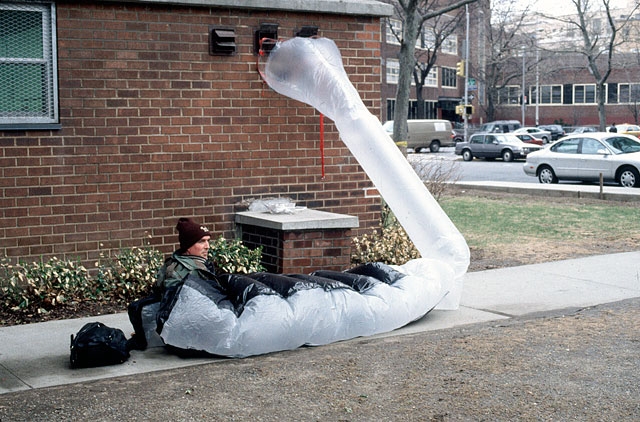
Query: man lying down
{"points": [[193, 308]]}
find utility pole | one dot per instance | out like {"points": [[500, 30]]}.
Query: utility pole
{"points": [[524, 54], [466, 78]]}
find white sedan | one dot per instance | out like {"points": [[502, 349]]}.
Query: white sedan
{"points": [[536, 132], [585, 156]]}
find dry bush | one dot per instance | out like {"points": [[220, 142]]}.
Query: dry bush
{"points": [[438, 174]]}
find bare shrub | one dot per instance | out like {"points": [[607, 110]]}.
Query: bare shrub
{"points": [[438, 174]]}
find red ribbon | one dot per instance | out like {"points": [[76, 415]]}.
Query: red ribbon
{"points": [[322, 143]]}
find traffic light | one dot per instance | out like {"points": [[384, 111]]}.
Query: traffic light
{"points": [[464, 109], [460, 68]]}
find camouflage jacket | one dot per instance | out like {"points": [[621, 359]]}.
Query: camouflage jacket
{"points": [[177, 267]]}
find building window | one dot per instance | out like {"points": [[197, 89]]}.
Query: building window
{"points": [[432, 77], [428, 40], [584, 94], [509, 95], [430, 108], [393, 70], [28, 68], [449, 77], [629, 93], [450, 44], [394, 31], [550, 94]]}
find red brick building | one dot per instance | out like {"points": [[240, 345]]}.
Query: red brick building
{"points": [[142, 125]]}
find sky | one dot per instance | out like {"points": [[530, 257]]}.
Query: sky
{"points": [[563, 6]]}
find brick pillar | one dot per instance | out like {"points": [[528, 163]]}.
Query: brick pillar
{"points": [[299, 243]]}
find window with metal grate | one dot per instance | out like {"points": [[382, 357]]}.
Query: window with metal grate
{"points": [[28, 69]]}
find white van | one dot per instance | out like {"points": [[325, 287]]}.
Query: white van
{"points": [[500, 126], [426, 133]]}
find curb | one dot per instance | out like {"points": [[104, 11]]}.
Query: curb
{"points": [[609, 193]]}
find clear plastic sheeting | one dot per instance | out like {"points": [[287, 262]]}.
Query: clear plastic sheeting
{"points": [[310, 70], [264, 312]]}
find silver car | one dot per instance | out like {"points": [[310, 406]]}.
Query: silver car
{"points": [[585, 156], [494, 145], [545, 135]]}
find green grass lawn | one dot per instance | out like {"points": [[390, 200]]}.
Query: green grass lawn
{"points": [[512, 220]]}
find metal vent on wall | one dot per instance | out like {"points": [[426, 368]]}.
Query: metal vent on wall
{"points": [[307, 31], [265, 38], [222, 41]]}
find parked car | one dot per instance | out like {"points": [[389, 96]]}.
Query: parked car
{"points": [[458, 128], [528, 139], [557, 131], [545, 135], [583, 129], [426, 134], [628, 129], [494, 145], [585, 156], [500, 126]]}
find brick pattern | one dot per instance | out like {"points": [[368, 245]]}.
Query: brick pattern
{"points": [[300, 252], [154, 128]]}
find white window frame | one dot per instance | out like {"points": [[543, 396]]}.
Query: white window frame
{"points": [[628, 93], [429, 40], [392, 71], [588, 90], [432, 77], [395, 24], [450, 44], [550, 94], [49, 117], [512, 96], [451, 77]]}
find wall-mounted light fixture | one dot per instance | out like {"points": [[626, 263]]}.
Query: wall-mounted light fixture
{"points": [[265, 38], [307, 31], [222, 41]]}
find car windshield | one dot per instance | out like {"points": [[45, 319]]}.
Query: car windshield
{"points": [[622, 145], [507, 139]]}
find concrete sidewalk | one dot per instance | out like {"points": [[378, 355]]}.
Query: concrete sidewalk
{"points": [[37, 355], [609, 192]]}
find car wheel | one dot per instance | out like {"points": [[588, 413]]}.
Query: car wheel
{"points": [[629, 177], [546, 175], [507, 155], [545, 140], [467, 155], [435, 146]]}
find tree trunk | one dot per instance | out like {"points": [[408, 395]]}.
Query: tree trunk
{"points": [[407, 63]]}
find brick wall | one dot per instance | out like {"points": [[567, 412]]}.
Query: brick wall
{"points": [[300, 251], [154, 128]]}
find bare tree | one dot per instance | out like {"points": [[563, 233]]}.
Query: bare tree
{"points": [[414, 13], [631, 64], [502, 67], [441, 28], [597, 41]]}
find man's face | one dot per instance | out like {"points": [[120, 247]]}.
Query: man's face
{"points": [[200, 248]]}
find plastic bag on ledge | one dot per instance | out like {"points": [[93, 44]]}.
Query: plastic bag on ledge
{"points": [[275, 206]]}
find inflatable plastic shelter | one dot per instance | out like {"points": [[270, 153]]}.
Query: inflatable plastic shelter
{"points": [[263, 312]]}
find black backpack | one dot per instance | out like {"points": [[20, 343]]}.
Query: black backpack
{"points": [[98, 345]]}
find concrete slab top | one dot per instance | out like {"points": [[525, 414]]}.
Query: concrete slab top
{"points": [[305, 219]]}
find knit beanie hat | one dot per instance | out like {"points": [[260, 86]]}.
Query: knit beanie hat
{"points": [[189, 232]]}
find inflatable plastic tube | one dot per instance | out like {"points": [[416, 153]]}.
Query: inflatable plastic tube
{"points": [[310, 70], [203, 318]]}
